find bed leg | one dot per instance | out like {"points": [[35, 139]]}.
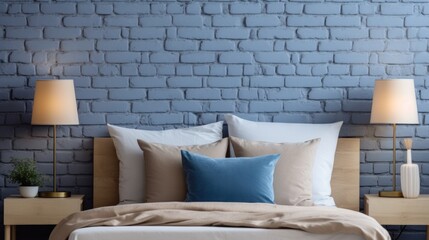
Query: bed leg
{"points": [[7, 232]]}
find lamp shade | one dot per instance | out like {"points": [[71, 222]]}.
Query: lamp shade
{"points": [[394, 102], [54, 103]]}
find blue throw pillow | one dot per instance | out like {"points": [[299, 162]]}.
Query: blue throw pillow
{"points": [[246, 179]]}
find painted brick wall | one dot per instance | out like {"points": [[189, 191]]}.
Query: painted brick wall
{"points": [[165, 64]]}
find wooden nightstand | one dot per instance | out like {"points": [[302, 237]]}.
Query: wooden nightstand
{"points": [[399, 211], [37, 211]]}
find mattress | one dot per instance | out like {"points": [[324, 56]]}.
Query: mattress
{"points": [[199, 233]]}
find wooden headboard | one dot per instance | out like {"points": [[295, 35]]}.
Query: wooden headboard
{"points": [[344, 182]]}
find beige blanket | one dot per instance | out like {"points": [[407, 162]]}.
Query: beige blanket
{"points": [[318, 220]]}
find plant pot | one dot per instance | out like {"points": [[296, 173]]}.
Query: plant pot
{"points": [[28, 191]]}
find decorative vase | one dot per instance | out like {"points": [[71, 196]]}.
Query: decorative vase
{"points": [[410, 178], [410, 181], [28, 191]]}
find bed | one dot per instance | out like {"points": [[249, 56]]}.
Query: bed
{"points": [[345, 184], [345, 190]]}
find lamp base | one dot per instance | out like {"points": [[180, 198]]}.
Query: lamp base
{"points": [[54, 194], [391, 194]]}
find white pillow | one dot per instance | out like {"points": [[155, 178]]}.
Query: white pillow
{"points": [[296, 132], [131, 162]]}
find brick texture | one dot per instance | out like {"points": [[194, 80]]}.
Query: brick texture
{"points": [[169, 64]]}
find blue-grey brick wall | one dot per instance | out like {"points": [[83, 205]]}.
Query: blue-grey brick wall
{"points": [[167, 64]]}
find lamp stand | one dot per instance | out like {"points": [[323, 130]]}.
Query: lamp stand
{"points": [[394, 193], [54, 193]]}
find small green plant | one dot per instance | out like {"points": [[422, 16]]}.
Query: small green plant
{"points": [[25, 173]]}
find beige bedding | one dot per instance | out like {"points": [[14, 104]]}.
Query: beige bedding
{"points": [[318, 220]]}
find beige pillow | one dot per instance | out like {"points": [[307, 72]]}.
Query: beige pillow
{"points": [[293, 173], [165, 180]]}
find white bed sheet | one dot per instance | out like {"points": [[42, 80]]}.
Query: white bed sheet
{"points": [[199, 233]]}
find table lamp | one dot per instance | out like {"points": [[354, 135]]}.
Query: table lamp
{"points": [[54, 104], [394, 102]]}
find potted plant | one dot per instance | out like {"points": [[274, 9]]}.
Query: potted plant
{"points": [[25, 173]]}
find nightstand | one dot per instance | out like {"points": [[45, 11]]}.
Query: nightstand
{"points": [[399, 211], [37, 211]]}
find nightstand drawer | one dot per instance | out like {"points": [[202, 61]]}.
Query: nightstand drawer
{"points": [[39, 211], [398, 211]]}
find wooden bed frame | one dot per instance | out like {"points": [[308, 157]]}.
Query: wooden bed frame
{"points": [[344, 182]]}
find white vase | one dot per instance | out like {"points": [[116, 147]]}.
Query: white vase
{"points": [[28, 191], [410, 180]]}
